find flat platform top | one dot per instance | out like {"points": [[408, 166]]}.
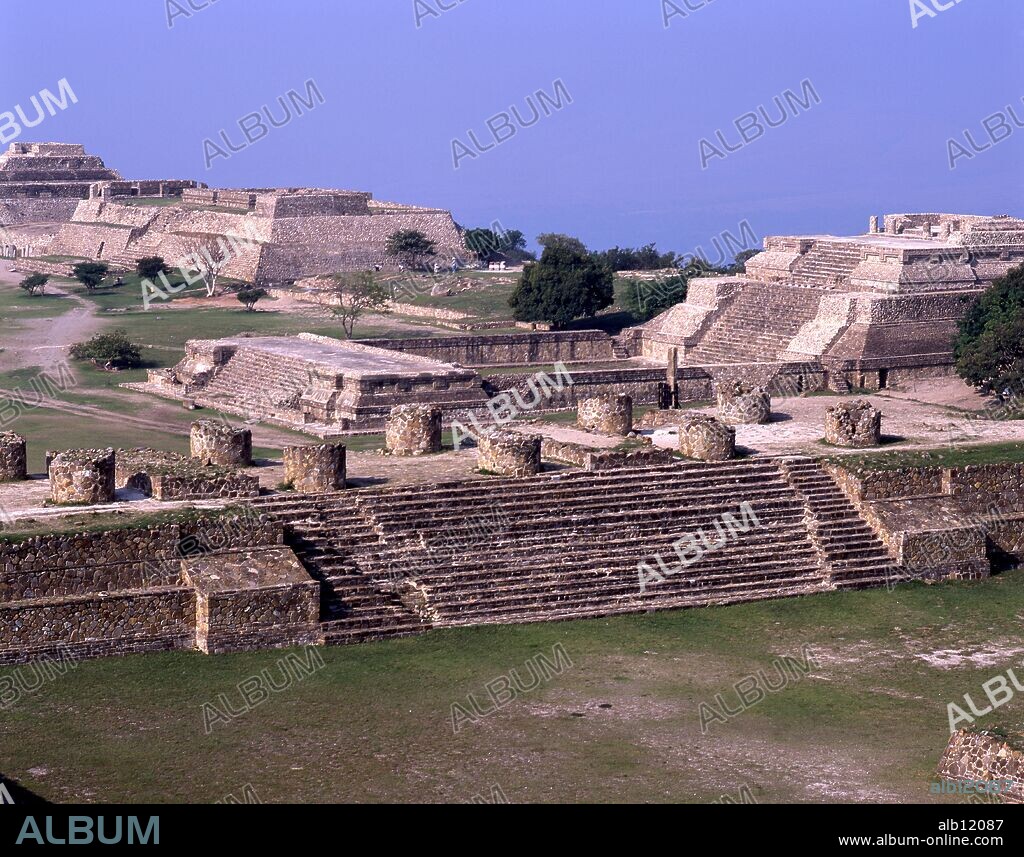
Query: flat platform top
{"points": [[351, 359], [881, 239]]}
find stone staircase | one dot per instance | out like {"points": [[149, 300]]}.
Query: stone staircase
{"points": [[338, 546], [757, 326], [828, 264], [854, 556], [260, 383], [400, 560]]}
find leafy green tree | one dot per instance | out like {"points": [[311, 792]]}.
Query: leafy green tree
{"points": [[112, 350], [249, 295], [557, 239], [410, 245], [567, 283], [644, 299], [357, 294], [90, 274], [34, 284], [646, 258], [151, 267], [989, 348]]}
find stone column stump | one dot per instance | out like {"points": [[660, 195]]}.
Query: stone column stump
{"points": [[82, 477], [413, 430], [853, 424], [706, 438], [316, 468], [216, 443], [13, 457], [742, 404], [509, 453], [606, 414]]}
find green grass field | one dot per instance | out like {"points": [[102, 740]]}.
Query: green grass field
{"points": [[868, 722]]}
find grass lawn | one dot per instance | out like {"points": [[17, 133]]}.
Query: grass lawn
{"points": [[960, 456], [868, 722]]}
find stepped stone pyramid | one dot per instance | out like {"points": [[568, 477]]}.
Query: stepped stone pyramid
{"points": [[869, 309], [44, 182]]}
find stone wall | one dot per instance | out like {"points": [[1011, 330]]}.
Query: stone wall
{"points": [[867, 484], [507, 349], [116, 591], [740, 403], [168, 476], [986, 757], [604, 459]]}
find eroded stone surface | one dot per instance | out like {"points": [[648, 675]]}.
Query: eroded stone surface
{"points": [[986, 757], [13, 458], [219, 444], [315, 468], [413, 430], [82, 476], [740, 404], [705, 438], [510, 453], [853, 424], [610, 413]]}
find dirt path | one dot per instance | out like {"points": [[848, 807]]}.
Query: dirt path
{"points": [[43, 342]]}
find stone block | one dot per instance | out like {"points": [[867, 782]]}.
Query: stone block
{"points": [[610, 414], [13, 457], [217, 443], [413, 430], [510, 453], [82, 476], [316, 468], [853, 424], [706, 438]]}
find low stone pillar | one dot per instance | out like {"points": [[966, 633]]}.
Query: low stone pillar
{"points": [[509, 453], [82, 477], [853, 424], [316, 468], [707, 439], [740, 404], [413, 430], [611, 413], [13, 457], [873, 223], [217, 443]]}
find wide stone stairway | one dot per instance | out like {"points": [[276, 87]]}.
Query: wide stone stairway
{"points": [[828, 264], [758, 325], [494, 551]]}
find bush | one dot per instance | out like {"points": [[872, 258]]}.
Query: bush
{"points": [[34, 284], [90, 274], [250, 296], [151, 267], [110, 350], [567, 283]]}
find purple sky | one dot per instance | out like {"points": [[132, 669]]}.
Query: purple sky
{"points": [[620, 164]]}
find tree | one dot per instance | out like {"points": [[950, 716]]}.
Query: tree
{"points": [[250, 295], [35, 284], [357, 294], [110, 350], [989, 348], [411, 245], [208, 255], [151, 267], [489, 244], [90, 274], [645, 299], [557, 239], [646, 258], [566, 283]]}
